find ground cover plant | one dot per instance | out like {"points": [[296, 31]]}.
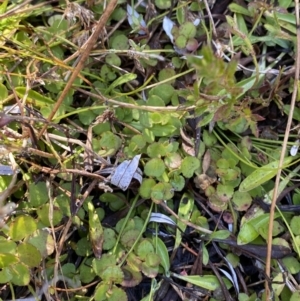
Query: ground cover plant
{"points": [[149, 150]]}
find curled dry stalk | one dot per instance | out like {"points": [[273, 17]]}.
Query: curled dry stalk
{"points": [[282, 155]]}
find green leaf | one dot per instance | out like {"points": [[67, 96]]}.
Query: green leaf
{"points": [[125, 78], [3, 7], [29, 255], [3, 92], [34, 97], [205, 255], [38, 194], [100, 292], [156, 149], [20, 274], [163, 4], [109, 143], [87, 117], [113, 274], [154, 167], [162, 191], [5, 275], [263, 174], [163, 253], [296, 112], [146, 188], [7, 259], [189, 166], [100, 265], [295, 225], [160, 130], [44, 215], [128, 239], [177, 182], [184, 213], [209, 282], [187, 29], [295, 296], [21, 227], [221, 234], [235, 8], [241, 200], [247, 234], [86, 272], [292, 264], [144, 248], [7, 246]]}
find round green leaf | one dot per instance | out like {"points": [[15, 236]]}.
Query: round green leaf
{"points": [[5, 275], [187, 29], [116, 294], [154, 168], [292, 264], [100, 292], [163, 4], [209, 139], [113, 59], [173, 161], [129, 238], [7, 259], [156, 101], [86, 272], [139, 141], [295, 225], [242, 200], [146, 188], [20, 274], [144, 248], [166, 74], [109, 239], [152, 260], [189, 166], [7, 246], [181, 41], [109, 143], [164, 91], [100, 265], [38, 194], [162, 191], [119, 42], [113, 274], [156, 149], [177, 182], [21, 227], [87, 117], [295, 296], [44, 214], [83, 247], [29, 255]]}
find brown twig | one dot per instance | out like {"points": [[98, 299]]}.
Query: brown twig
{"points": [[84, 55], [284, 146]]}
